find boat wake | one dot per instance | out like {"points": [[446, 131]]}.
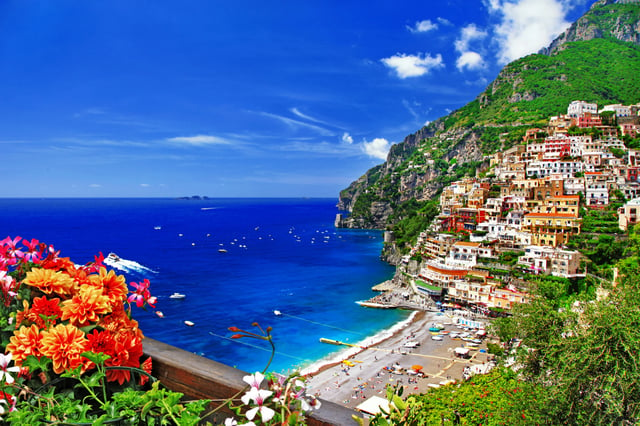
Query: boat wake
{"points": [[125, 265]]}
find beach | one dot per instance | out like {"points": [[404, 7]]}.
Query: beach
{"points": [[367, 372]]}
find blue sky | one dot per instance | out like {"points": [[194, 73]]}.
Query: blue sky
{"points": [[239, 98]]}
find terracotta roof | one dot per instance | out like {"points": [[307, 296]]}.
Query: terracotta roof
{"points": [[468, 244]]}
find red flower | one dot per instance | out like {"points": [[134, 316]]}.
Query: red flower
{"points": [[43, 307]]}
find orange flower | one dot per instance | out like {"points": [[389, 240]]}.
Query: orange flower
{"points": [[118, 322], [49, 281], [147, 366], [24, 342], [86, 306], [128, 352], [43, 307], [114, 286], [64, 344]]}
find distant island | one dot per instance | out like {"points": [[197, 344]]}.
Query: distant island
{"points": [[194, 197]]}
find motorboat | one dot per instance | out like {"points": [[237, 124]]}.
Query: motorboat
{"points": [[113, 257], [177, 295]]}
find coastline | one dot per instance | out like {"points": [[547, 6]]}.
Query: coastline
{"points": [[367, 371]]}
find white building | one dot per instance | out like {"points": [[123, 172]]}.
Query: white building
{"points": [[577, 108]]}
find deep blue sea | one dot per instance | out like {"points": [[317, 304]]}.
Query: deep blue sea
{"points": [[282, 254]]}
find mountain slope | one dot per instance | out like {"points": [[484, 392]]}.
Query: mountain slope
{"points": [[589, 62]]}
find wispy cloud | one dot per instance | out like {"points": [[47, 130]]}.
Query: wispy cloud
{"points": [[319, 148], [412, 65], [526, 26], [423, 26], [199, 140], [296, 124]]}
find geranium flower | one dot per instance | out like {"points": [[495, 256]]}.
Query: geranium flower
{"points": [[34, 250], [232, 422], [141, 294], [24, 342], [4, 397], [43, 307], [86, 306], [113, 286], [7, 286], [258, 396], [11, 251], [5, 369], [254, 380], [49, 281], [64, 344]]}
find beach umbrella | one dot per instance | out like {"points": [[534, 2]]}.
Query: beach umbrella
{"points": [[416, 367]]}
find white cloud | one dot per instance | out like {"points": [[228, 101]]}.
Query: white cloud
{"points": [[412, 65], [526, 26], [444, 21], [423, 26], [467, 35], [95, 185], [145, 185], [470, 60], [347, 138], [199, 140], [377, 148]]}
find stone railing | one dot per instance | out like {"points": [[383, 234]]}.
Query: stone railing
{"points": [[201, 378]]}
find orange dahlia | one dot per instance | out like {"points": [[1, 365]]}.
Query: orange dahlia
{"points": [[85, 306], [127, 354], [24, 342], [49, 281], [64, 344], [43, 308], [119, 322], [114, 286]]}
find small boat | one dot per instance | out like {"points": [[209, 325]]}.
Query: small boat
{"points": [[222, 250], [278, 313], [160, 314], [113, 257], [189, 323], [157, 228], [177, 295]]}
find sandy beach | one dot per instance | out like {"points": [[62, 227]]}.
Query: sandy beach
{"points": [[350, 386]]}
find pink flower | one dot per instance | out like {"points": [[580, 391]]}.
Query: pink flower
{"points": [[34, 252], [11, 252], [141, 294]]}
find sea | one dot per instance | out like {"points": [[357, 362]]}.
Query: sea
{"points": [[279, 263]]}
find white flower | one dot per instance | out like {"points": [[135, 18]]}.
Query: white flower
{"points": [[258, 396], [254, 380], [4, 370], [232, 422]]}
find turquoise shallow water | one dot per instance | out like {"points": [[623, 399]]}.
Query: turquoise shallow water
{"points": [[281, 254]]}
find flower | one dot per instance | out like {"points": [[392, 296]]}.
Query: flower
{"points": [[24, 342], [258, 396], [43, 308], [232, 422], [64, 344], [85, 306], [254, 380], [113, 286], [49, 281], [5, 370], [141, 295]]}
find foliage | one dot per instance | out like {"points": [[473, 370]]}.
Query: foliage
{"points": [[497, 398], [412, 218]]}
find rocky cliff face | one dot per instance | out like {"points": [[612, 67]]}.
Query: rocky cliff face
{"points": [[601, 21]]}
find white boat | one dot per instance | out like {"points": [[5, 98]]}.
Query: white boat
{"points": [[189, 323], [276, 312], [177, 296], [222, 250], [113, 257]]}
